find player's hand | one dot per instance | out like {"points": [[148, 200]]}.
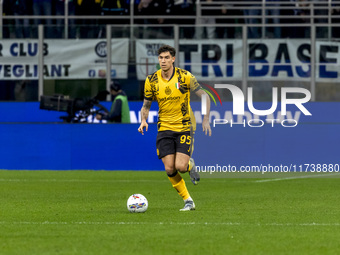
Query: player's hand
{"points": [[142, 126], [206, 127]]}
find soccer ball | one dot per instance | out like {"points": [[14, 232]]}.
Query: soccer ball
{"points": [[137, 203]]}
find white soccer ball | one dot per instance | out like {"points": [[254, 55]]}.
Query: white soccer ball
{"points": [[137, 203]]}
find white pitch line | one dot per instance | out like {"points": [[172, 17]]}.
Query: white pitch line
{"points": [[297, 177], [165, 223]]}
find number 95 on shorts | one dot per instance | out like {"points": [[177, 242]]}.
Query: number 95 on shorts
{"points": [[169, 142]]}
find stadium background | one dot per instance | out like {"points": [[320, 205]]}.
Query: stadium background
{"points": [[37, 139]]}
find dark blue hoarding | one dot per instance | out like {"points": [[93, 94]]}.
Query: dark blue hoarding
{"points": [[31, 140]]}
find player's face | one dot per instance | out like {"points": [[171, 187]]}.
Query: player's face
{"points": [[166, 61]]}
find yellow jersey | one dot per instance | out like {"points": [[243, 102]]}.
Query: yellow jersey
{"points": [[173, 98]]}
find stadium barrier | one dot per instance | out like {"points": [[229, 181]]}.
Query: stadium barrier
{"points": [[31, 141]]}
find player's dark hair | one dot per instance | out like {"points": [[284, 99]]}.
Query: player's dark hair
{"points": [[167, 48]]}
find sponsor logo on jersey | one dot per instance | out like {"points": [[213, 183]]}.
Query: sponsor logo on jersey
{"points": [[169, 98]]}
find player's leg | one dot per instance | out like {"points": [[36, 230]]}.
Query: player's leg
{"points": [[166, 151], [177, 182], [185, 145], [194, 175], [181, 164], [174, 177], [169, 164]]}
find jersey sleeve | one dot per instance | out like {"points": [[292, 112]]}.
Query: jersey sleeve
{"points": [[194, 85], [148, 92]]}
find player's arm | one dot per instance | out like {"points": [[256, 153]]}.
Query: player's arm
{"points": [[205, 124], [144, 114]]}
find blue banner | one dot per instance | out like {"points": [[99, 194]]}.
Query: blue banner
{"points": [[121, 147], [322, 112], [58, 146]]}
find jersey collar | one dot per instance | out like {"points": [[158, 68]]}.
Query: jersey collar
{"points": [[173, 73]]}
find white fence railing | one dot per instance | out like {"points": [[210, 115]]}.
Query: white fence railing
{"points": [[244, 60]]}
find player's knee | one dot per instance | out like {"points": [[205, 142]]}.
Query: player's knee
{"points": [[170, 170], [182, 168]]}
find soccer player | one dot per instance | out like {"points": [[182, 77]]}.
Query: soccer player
{"points": [[170, 86]]}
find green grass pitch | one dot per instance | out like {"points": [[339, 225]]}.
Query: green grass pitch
{"points": [[84, 212]]}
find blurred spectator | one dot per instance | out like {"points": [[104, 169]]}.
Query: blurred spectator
{"points": [[186, 9], [254, 11], [150, 8], [273, 9], [59, 11], [336, 18], [168, 10], [115, 8], [207, 32], [227, 10], [139, 31], [88, 27], [43, 8], [22, 26], [301, 13], [7, 10], [320, 8], [287, 15]]}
